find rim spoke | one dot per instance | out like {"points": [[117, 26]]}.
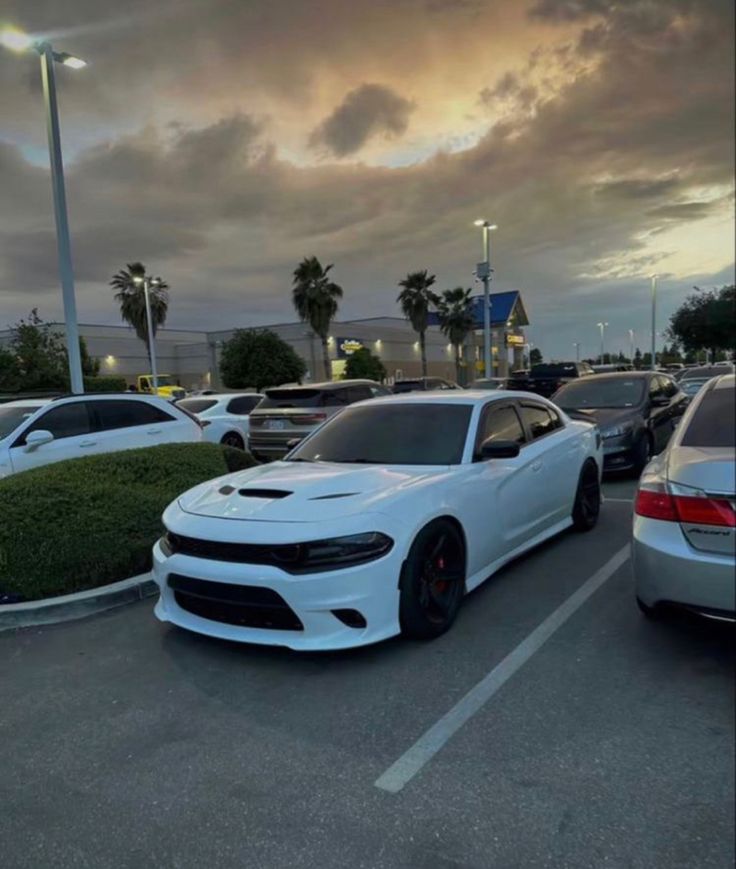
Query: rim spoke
{"points": [[438, 548]]}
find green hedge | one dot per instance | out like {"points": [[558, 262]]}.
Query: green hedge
{"points": [[87, 522]]}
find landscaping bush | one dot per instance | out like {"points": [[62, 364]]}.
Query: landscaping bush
{"points": [[88, 522]]}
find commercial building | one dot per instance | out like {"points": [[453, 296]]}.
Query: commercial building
{"points": [[192, 356]]}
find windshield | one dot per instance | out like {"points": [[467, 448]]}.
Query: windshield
{"points": [[391, 434], [601, 393], [563, 369], [196, 405], [12, 417], [161, 379]]}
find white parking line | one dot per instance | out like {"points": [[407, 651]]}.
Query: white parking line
{"points": [[619, 500], [409, 764]]}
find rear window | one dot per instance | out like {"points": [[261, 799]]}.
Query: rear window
{"points": [[243, 404], [408, 386], [563, 369], [297, 398], [714, 422], [196, 405], [703, 372]]}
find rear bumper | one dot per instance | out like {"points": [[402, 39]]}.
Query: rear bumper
{"points": [[668, 570]]}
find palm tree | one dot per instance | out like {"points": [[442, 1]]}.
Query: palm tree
{"points": [[315, 298], [456, 319], [415, 299], [131, 295]]}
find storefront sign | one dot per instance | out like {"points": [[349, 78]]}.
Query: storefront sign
{"points": [[347, 346], [514, 340]]}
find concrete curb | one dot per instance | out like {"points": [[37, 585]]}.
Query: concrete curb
{"points": [[75, 606]]}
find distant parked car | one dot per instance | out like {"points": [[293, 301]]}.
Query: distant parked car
{"points": [[37, 432], [288, 414], [695, 378], [636, 412], [492, 383], [684, 549], [546, 378], [609, 368], [423, 384], [225, 417]]}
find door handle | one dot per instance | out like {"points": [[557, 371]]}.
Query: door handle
{"points": [[537, 466], [153, 431], [87, 443]]}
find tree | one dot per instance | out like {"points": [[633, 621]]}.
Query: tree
{"points": [[90, 365], [363, 364], [9, 371], [259, 358], [315, 298], [132, 299], [535, 356], [456, 320], [416, 298], [707, 318], [40, 354], [638, 361]]}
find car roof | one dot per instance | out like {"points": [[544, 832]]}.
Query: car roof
{"points": [[616, 375], [455, 396], [27, 402], [725, 381], [326, 384], [216, 396]]}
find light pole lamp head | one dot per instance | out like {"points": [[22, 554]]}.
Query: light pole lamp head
{"points": [[489, 226], [15, 40], [138, 280]]}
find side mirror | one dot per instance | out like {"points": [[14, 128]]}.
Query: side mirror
{"points": [[660, 401], [294, 442], [36, 439], [498, 449]]}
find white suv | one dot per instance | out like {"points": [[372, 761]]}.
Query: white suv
{"points": [[39, 431]]}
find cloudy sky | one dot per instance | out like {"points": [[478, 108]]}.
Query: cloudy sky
{"points": [[221, 141]]}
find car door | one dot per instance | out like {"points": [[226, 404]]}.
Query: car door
{"points": [[500, 515], [72, 426], [555, 463], [129, 423], [660, 416]]}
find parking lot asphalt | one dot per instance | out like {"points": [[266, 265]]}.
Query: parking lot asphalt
{"points": [[126, 743]]}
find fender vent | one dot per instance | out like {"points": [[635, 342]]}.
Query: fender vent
{"points": [[332, 497], [268, 494]]}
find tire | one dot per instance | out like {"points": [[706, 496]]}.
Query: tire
{"points": [[651, 612], [643, 453], [432, 582], [587, 505], [233, 439]]}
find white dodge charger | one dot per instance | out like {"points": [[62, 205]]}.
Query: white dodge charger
{"points": [[379, 522]]}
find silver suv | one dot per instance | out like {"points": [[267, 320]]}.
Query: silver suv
{"points": [[289, 413]]}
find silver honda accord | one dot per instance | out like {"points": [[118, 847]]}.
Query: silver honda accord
{"points": [[684, 549]]}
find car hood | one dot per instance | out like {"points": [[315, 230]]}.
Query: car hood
{"points": [[711, 469], [302, 492], [604, 417]]}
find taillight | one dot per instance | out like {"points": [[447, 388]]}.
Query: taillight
{"points": [[655, 501], [309, 418]]}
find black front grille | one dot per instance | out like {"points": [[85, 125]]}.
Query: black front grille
{"points": [[247, 606], [284, 556]]}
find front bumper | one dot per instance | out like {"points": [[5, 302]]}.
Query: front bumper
{"points": [[371, 589], [668, 570], [618, 453]]}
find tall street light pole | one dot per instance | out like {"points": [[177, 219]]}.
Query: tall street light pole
{"points": [[654, 321], [631, 345], [483, 271], [20, 42], [602, 327], [576, 345], [147, 283]]}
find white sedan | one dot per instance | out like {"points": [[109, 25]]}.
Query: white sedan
{"points": [[379, 522], [224, 417]]}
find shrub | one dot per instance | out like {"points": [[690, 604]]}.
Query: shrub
{"points": [[104, 384], [364, 365], [87, 522]]}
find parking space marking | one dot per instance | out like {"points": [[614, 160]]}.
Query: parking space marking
{"points": [[424, 749], [618, 500]]}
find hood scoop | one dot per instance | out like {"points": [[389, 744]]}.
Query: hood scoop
{"points": [[267, 494]]}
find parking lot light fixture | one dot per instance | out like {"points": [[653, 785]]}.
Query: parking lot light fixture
{"points": [[653, 279], [577, 345], [602, 327], [15, 40], [147, 283], [484, 273]]}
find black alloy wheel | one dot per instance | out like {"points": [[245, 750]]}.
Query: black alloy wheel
{"points": [[432, 581], [587, 506], [233, 439]]}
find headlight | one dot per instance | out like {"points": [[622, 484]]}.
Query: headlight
{"points": [[165, 545], [333, 553], [617, 431]]}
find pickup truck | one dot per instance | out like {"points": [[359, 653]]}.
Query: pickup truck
{"points": [[546, 378], [166, 386]]}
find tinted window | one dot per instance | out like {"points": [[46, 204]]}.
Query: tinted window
{"points": [[562, 369], [540, 420], [292, 398], [705, 371], [391, 434], [358, 393], [714, 423], [12, 417], [603, 392], [408, 385], [64, 420], [336, 398], [377, 391], [243, 405], [502, 424], [196, 405], [114, 414]]}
